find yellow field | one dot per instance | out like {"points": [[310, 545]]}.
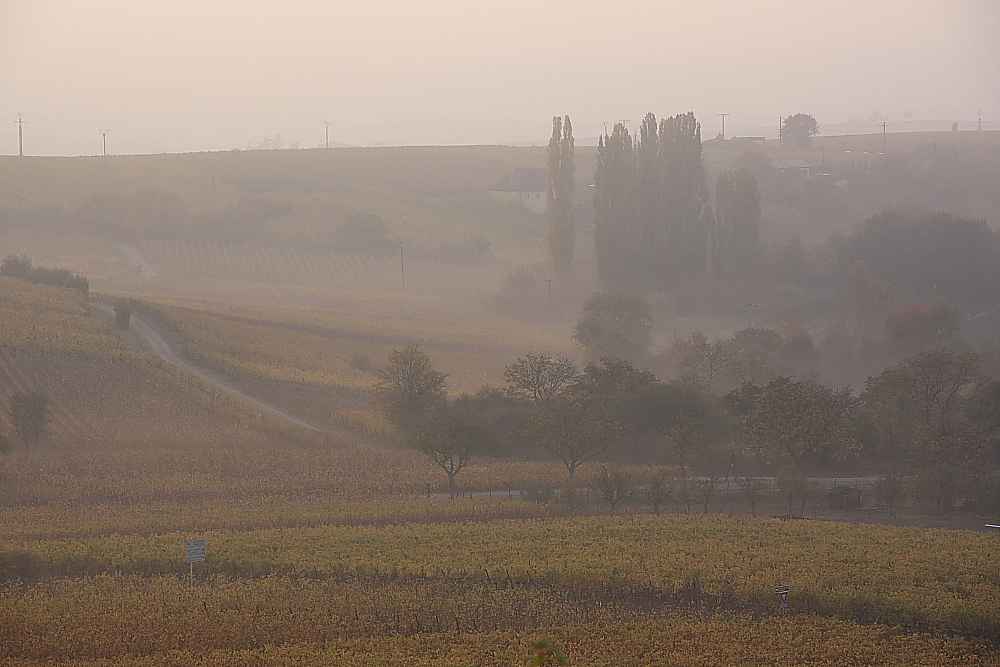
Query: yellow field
{"points": [[102, 394], [645, 586], [317, 345]]}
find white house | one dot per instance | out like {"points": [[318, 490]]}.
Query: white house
{"points": [[524, 187], [793, 166]]}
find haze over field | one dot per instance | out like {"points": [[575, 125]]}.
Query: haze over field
{"points": [[191, 76]]}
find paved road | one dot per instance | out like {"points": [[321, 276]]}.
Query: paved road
{"points": [[165, 352]]}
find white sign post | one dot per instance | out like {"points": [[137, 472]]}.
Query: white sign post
{"points": [[195, 554], [783, 590]]}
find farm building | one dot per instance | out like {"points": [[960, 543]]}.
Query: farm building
{"points": [[524, 187]]}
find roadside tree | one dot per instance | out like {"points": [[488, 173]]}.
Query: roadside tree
{"points": [[572, 431], [450, 441]]}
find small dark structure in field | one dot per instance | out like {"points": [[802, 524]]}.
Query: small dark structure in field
{"points": [[844, 498]]}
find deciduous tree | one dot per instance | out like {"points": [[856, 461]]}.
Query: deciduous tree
{"points": [[409, 390], [540, 378], [451, 441], [797, 424], [799, 130], [614, 323]]}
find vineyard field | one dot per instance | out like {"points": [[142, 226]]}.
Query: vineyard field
{"points": [[915, 577], [103, 394], [321, 346]]}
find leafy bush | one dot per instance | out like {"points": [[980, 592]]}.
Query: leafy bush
{"points": [[19, 266]]}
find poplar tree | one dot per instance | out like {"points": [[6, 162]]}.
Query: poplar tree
{"points": [[559, 194], [614, 205], [684, 195]]}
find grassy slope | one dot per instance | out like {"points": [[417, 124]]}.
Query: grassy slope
{"points": [[101, 393], [316, 345], [430, 195]]}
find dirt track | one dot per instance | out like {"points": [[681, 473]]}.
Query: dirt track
{"points": [[163, 350]]}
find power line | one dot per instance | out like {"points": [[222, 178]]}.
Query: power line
{"points": [[20, 136]]}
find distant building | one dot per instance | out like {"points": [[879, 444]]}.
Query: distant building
{"points": [[927, 154], [525, 187], [736, 143], [793, 166]]}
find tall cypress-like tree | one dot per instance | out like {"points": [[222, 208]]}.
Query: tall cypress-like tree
{"points": [[736, 240], [559, 194], [683, 194], [651, 232], [614, 205]]}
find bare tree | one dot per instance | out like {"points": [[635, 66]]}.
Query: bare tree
{"points": [[539, 377]]}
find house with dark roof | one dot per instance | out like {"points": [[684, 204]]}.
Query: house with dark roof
{"points": [[793, 166], [525, 187]]}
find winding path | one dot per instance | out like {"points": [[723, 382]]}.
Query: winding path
{"points": [[165, 352]]}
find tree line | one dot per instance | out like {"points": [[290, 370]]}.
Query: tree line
{"points": [[20, 266], [654, 228], [930, 425]]}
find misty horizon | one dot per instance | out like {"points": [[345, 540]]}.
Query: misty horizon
{"points": [[232, 75]]}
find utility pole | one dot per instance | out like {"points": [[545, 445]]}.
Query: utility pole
{"points": [[723, 125], [781, 122], [104, 139], [750, 316], [884, 123], [980, 121], [549, 281], [20, 136], [327, 123]]}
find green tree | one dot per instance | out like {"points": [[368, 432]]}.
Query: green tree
{"points": [[450, 441], [684, 195], [409, 391], [29, 414], [614, 323], [797, 424], [799, 130], [560, 188]]}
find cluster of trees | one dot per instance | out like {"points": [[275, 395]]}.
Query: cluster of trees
{"points": [[930, 425], [19, 266], [654, 228]]}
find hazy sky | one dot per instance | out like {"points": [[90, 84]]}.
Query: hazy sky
{"points": [[179, 75]]}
